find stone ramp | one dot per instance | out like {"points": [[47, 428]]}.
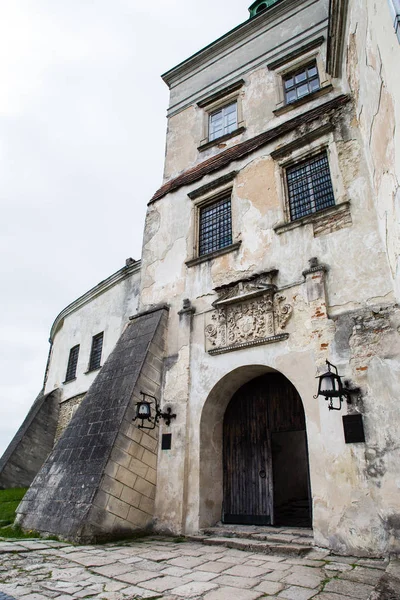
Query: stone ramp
{"points": [[61, 499]]}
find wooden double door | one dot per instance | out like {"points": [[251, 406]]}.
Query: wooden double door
{"points": [[266, 474]]}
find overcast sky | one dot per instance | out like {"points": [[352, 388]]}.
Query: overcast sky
{"points": [[82, 136]]}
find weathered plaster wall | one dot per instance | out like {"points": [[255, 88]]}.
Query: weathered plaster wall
{"points": [[354, 510], [372, 63], [267, 38], [106, 309]]}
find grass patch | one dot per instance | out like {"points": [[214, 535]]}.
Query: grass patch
{"points": [[16, 533], [9, 500]]}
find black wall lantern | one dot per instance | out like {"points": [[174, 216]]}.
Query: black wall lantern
{"points": [[330, 387], [143, 412]]}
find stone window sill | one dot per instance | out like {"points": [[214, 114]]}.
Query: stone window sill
{"points": [[221, 139], [69, 381], [206, 257], [312, 218], [92, 370], [288, 107]]}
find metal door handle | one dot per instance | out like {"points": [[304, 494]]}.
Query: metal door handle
{"points": [[262, 474]]}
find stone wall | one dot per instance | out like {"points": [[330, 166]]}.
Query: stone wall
{"points": [[31, 444], [67, 411]]}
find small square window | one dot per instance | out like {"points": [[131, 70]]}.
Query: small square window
{"points": [[72, 363], [215, 226], [300, 83], [95, 353], [309, 186], [222, 121]]}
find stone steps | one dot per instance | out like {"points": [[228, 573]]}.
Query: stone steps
{"points": [[262, 540], [254, 546]]}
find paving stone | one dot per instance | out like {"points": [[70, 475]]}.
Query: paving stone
{"points": [[349, 588], [133, 592], [200, 576], [187, 561], [137, 576], [226, 593], [244, 571], [297, 593], [92, 561], [194, 588], [275, 575], [307, 581], [240, 582], [363, 575], [338, 567], [113, 570], [114, 586], [274, 566], [212, 567], [269, 587], [162, 583]]}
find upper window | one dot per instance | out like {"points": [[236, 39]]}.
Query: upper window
{"points": [[223, 121], [72, 363], [300, 83], [309, 186], [395, 10], [215, 226], [95, 353]]}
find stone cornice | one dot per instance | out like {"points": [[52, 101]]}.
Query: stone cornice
{"points": [[251, 27], [127, 271]]}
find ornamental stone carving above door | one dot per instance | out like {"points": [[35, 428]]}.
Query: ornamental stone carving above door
{"points": [[247, 313]]}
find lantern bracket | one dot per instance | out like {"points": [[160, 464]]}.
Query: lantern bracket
{"points": [[331, 387], [144, 412]]}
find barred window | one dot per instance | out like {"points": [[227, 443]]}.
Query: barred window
{"points": [[215, 230], [309, 186], [301, 82], [72, 363], [95, 353], [223, 121]]}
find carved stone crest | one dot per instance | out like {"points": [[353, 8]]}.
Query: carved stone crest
{"points": [[247, 313]]}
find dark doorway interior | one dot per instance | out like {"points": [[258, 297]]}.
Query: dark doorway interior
{"points": [[266, 476]]}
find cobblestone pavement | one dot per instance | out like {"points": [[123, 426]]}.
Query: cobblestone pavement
{"points": [[173, 570]]}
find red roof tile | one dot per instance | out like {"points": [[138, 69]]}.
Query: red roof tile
{"points": [[240, 150]]}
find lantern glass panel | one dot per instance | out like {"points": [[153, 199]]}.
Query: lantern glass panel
{"points": [[143, 410]]}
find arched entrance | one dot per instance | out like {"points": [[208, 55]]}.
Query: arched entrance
{"points": [[265, 457]]}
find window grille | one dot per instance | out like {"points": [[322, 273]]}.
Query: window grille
{"points": [[95, 353], [309, 187], [301, 83], [223, 121], [72, 363], [215, 231]]}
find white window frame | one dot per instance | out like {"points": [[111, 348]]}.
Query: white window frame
{"points": [[290, 67], [225, 126], [212, 107]]}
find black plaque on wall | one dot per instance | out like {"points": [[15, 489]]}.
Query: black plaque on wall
{"points": [[166, 441], [353, 429]]}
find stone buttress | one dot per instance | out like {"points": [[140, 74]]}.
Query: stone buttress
{"points": [[100, 479]]}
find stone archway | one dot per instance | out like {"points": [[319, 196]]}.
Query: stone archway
{"points": [[212, 429]]}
